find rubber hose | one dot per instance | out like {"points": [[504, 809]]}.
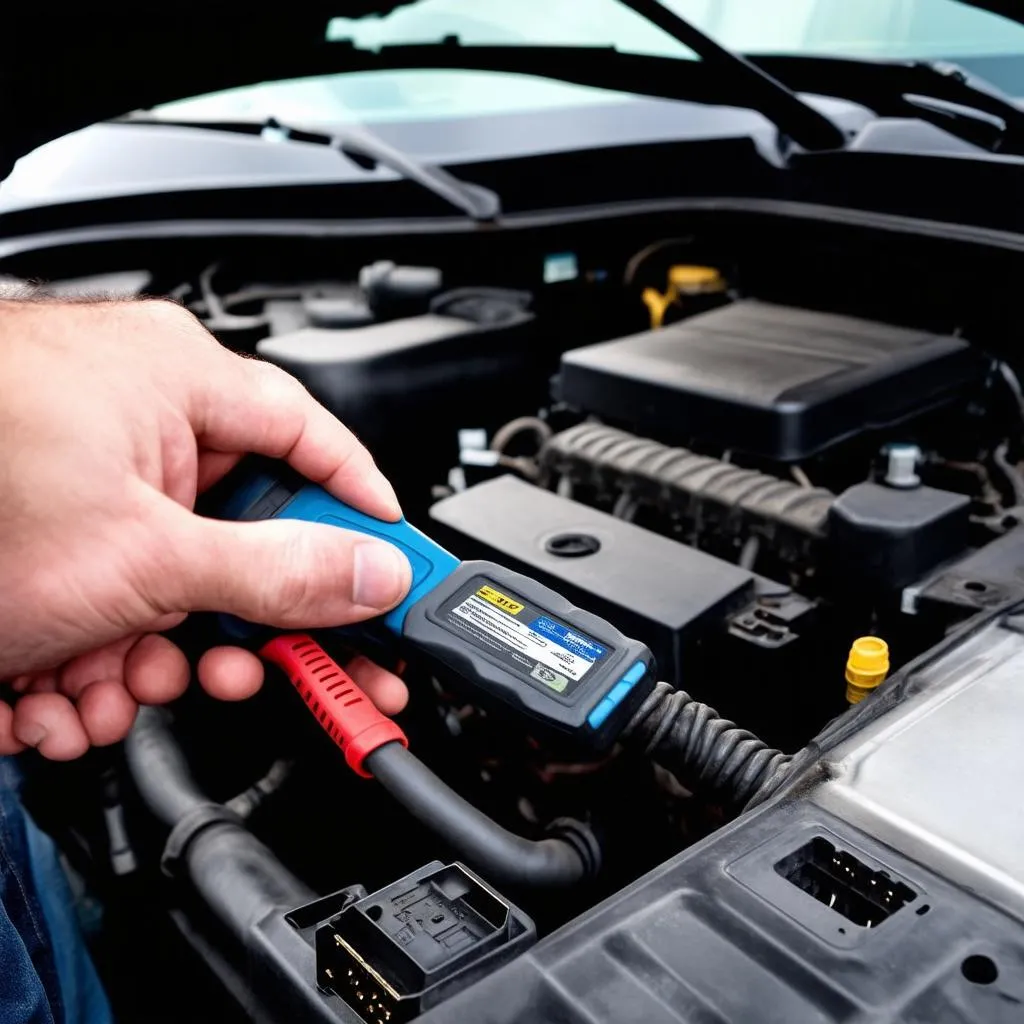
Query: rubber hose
{"points": [[238, 876], [500, 855], [534, 425], [240, 879], [702, 749], [261, 790], [1010, 472], [160, 770]]}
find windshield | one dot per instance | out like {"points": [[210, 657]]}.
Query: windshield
{"points": [[983, 42]]}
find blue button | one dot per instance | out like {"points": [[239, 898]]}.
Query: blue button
{"points": [[635, 674], [596, 717], [619, 690], [627, 682], [616, 695]]}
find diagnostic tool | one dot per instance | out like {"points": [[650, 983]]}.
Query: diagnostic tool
{"points": [[498, 634]]}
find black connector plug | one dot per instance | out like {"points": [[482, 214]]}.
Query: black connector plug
{"points": [[411, 945]]}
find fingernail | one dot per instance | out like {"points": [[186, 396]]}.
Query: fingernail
{"points": [[387, 495], [381, 575]]}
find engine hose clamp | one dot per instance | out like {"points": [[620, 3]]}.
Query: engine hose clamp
{"points": [[581, 838], [185, 831]]}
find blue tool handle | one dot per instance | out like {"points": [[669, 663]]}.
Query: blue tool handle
{"points": [[430, 562], [266, 498]]}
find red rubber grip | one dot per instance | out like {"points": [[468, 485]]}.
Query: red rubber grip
{"points": [[344, 712]]}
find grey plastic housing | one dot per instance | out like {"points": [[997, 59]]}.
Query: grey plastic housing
{"points": [[888, 537], [487, 677]]}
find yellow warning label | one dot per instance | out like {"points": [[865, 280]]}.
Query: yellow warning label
{"points": [[506, 604]]}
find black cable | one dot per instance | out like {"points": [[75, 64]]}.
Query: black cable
{"points": [[501, 856], [238, 876], [713, 755]]}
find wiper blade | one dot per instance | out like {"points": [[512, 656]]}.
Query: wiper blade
{"points": [[797, 119], [968, 123], [366, 149], [927, 90]]}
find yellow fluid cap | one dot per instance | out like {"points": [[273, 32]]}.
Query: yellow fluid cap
{"points": [[866, 667], [687, 279], [656, 304]]}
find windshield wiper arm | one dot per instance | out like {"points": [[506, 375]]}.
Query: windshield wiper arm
{"points": [[367, 150], [356, 141], [797, 119], [929, 90]]}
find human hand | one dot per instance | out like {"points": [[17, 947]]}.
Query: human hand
{"points": [[113, 417]]}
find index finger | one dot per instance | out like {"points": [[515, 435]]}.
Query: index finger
{"points": [[248, 405]]}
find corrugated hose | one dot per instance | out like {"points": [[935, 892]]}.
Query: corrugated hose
{"points": [[704, 751]]}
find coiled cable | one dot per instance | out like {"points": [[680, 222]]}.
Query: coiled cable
{"points": [[703, 750]]}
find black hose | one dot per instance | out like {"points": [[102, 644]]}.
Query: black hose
{"points": [[160, 770], [237, 875], [500, 855], [709, 753], [240, 879]]}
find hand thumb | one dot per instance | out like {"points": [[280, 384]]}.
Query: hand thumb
{"points": [[287, 573]]}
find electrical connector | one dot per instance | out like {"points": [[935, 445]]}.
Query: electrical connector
{"points": [[411, 945]]}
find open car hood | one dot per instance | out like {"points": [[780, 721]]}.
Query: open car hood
{"points": [[63, 71]]}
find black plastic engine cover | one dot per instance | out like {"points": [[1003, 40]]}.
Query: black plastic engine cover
{"points": [[654, 589], [466, 361], [770, 380]]}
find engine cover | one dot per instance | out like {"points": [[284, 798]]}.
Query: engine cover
{"points": [[663, 593], [769, 380]]}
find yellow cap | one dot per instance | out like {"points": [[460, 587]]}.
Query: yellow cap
{"points": [[686, 279], [656, 304], [866, 667], [683, 279]]}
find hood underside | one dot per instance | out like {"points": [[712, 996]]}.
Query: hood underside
{"points": [[63, 71]]}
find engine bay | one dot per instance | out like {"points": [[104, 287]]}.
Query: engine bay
{"points": [[745, 467]]}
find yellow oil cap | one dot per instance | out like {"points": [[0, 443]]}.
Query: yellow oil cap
{"points": [[866, 667], [657, 304], [684, 280], [687, 279]]}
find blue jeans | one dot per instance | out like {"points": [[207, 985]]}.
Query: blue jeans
{"points": [[46, 976]]}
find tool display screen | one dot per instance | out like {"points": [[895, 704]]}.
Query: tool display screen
{"points": [[553, 656]]}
